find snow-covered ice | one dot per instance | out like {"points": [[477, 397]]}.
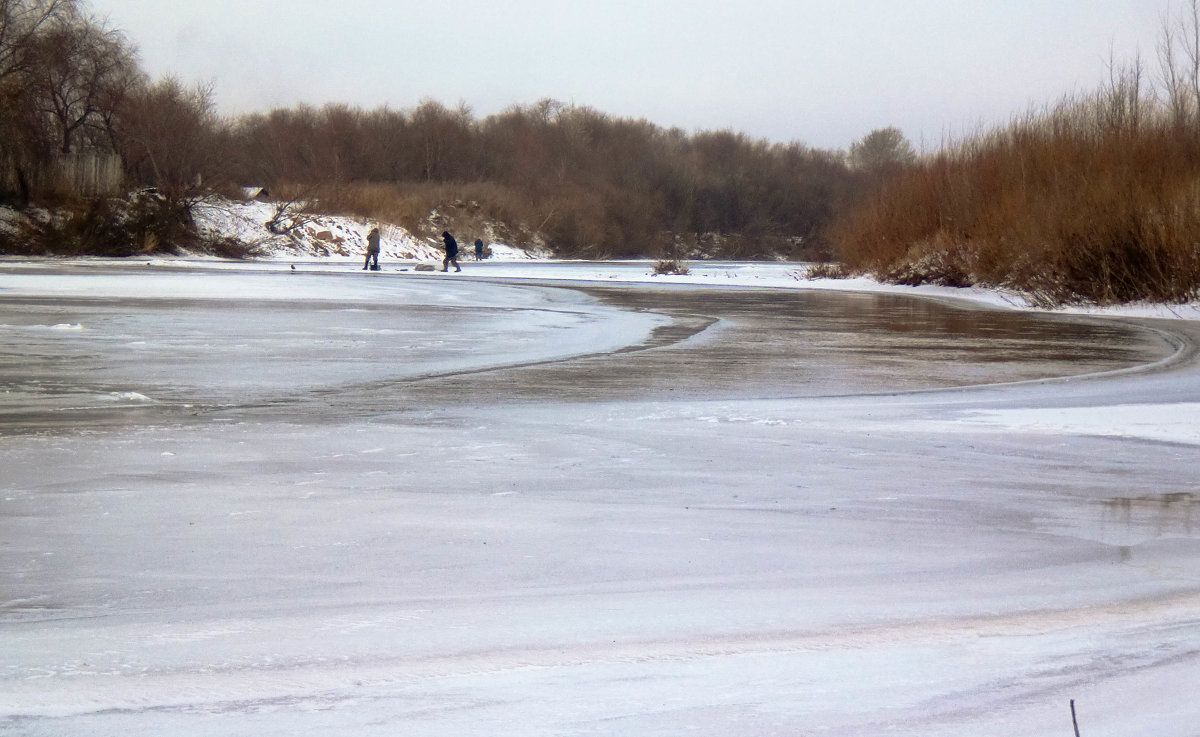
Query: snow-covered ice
{"points": [[578, 499]]}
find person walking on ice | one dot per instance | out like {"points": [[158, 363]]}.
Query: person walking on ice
{"points": [[372, 250], [451, 252]]}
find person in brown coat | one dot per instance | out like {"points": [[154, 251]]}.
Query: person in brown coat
{"points": [[372, 250]]}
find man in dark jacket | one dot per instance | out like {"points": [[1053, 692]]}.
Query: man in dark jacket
{"points": [[451, 252]]}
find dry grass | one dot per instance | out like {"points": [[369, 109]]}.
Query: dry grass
{"points": [[826, 270], [1067, 206], [424, 209]]}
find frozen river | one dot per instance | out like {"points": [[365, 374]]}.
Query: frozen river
{"points": [[271, 502]]}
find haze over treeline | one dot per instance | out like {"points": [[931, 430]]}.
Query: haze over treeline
{"points": [[586, 182]]}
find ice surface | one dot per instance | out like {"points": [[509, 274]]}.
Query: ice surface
{"points": [[245, 500]]}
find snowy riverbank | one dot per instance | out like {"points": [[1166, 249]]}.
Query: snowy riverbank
{"points": [[331, 243]]}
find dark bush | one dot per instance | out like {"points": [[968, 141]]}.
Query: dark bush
{"points": [[143, 224]]}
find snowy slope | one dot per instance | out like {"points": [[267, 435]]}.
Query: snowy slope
{"points": [[325, 236]]}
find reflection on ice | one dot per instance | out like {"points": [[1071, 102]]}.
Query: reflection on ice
{"points": [[1131, 520], [1127, 522], [219, 339]]}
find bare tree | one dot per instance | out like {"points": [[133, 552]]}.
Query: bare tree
{"points": [[1189, 25], [79, 67], [20, 22], [1179, 64], [880, 150], [1171, 76], [385, 136], [444, 137], [1120, 101], [23, 145], [168, 134]]}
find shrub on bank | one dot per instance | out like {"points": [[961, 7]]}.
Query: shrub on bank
{"points": [[142, 224], [671, 266], [1096, 200]]}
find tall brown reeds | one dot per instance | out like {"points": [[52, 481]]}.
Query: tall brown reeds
{"points": [[1094, 199]]}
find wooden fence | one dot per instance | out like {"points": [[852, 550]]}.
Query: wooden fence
{"points": [[88, 173]]}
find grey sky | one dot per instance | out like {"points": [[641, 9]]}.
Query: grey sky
{"points": [[823, 72]]}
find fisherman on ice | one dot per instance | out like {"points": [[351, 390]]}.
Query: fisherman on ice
{"points": [[451, 252]]}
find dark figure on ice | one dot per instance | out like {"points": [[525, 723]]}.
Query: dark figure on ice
{"points": [[372, 250], [451, 252], [478, 250]]}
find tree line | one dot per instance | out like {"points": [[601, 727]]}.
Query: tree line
{"points": [[588, 182], [582, 181]]}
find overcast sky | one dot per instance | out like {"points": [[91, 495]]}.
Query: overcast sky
{"points": [[822, 72]]}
